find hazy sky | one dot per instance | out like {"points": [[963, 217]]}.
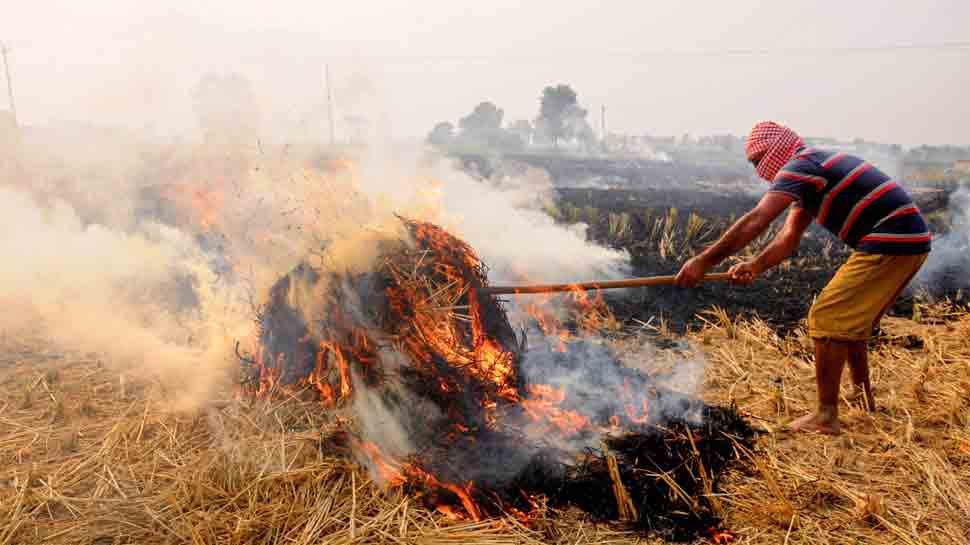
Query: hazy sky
{"points": [[412, 64]]}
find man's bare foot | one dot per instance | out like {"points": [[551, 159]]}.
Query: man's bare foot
{"points": [[814, 423]]}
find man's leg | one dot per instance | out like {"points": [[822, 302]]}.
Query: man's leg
{"points": [[859, 352], [830, 357], [852, 302], [859, 366]]}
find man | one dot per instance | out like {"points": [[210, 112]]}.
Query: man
{"points": [[866, 210]]}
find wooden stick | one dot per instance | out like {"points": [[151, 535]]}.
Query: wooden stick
{"points": [[586, 286]]}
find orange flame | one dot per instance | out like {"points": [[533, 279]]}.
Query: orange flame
{"points": [[444, 319], [203, 203], [543, 405], [721, 536]]}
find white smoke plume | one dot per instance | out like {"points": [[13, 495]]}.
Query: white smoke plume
{"points": [[588, 371], [502, 220], [154, 257], [97, 290], [163, 293], [949, 259]]}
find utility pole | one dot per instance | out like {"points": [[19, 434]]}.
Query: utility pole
{"points": [[603, 123], [329, 104], [6, 69]]}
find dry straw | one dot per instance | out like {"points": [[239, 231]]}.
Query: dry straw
{"points": [[88, 458]]}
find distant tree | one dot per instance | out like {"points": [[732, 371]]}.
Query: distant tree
{"points": [[523, 129], [560, 116], [580, 129], [484, 118], [442, 134], [504, 140], [483, 128]]}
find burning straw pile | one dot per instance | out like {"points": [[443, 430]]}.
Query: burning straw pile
{"points": [[445, 400]]}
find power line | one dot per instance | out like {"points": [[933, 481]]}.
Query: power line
{"points": [[953, 46], [956, 46]]}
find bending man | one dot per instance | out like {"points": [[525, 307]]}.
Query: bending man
{"points": [[860, 205]]}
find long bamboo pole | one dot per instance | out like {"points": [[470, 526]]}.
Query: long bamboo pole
{"points": [[605, 285]]}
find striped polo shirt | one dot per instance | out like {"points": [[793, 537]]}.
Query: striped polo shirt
{"points": [[855, 201]]}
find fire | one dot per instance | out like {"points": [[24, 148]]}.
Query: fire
{"points": [[327, 348], [394, 473], [543, 405], [437, 319], [202, 202], [419, 327], [463, 493], [720, 536], [637, 411], [207, 204], [389, 471]]}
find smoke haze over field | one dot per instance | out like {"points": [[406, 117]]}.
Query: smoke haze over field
{"points": [[951, 251], [155, 259], [659, 68], [112, 95]]}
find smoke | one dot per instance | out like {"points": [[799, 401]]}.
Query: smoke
{"points": [[156, 256], [948, 265], [526, 245], [587, 371], [503, 219], [124, 296], [386, 422]]}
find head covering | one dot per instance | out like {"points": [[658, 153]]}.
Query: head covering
{"points": [[778, 144]]}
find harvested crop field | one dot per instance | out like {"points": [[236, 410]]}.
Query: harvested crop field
{"points": [[662, 228], [424, 274], [648, 416], [94, 455]]}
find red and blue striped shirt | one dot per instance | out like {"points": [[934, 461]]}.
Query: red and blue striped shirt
{"points": [[856, 201]]}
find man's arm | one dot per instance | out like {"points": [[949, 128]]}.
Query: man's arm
{"points": [[743, 231], [748, 228], [785, 242], [777, 251]]}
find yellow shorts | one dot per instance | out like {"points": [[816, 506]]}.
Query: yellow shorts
{"points": [[862, 290]]}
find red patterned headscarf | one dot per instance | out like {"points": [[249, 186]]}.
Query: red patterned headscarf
{"points": [[777, 142]]}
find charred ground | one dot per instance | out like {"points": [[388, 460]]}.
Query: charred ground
{"points": [[661, 228], [499, 421]]}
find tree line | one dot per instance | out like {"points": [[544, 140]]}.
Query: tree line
{"points": [[561, 121]]}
